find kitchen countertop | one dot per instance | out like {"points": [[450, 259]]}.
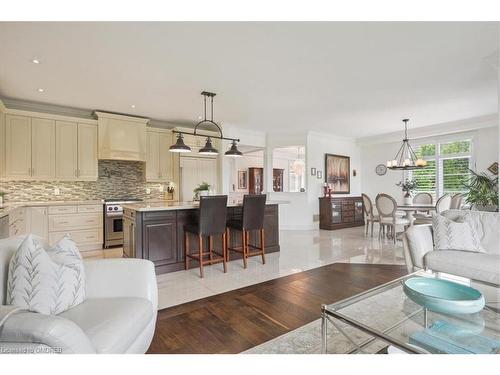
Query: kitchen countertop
{"points": [[169, 206]]}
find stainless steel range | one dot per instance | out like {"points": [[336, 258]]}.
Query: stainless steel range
{"points": [[113, 220]]}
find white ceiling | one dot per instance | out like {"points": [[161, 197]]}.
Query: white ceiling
{"points": [[351, 79]]}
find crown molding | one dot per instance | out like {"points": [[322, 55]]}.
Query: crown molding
{"points": [[445, 128], [26, 105], [110, 115]]}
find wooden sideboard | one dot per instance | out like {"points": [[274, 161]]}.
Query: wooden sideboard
{"points": [[337, 213]]}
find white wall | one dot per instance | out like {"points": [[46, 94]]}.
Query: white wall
{"points": [[485, 152]]}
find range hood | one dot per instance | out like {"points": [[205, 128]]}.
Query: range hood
{"points": [[121, 137]]}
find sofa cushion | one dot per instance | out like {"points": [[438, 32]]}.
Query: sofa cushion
{"points": [[486, 224], [455, 235], [8, 247], [111, 324], [477, 266]]}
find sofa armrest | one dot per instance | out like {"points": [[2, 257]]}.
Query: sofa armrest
{"points": [[121, 278], [28, 332], [417, 241]]}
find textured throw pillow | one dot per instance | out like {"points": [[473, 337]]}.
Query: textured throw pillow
{"points": [[46, 281], [455, 235]]}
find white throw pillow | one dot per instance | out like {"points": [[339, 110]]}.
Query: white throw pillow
{"points": [[46, 281], [455, 235]]}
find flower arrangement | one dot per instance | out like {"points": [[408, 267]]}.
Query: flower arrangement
{"points": [[408, 186]]}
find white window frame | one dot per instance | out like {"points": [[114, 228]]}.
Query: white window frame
{"points": [[437, 141]]}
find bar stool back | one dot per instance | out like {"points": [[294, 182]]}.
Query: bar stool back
{"points": [[211, 222], [252, 220]]}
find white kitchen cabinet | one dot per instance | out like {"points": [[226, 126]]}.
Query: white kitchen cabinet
{"points": [[37, 221], [2, 145], [87, 152], [153, 156], [43, 149], [166, 160], [66, 150], [18, 147], [194, 171], [158, 156]]}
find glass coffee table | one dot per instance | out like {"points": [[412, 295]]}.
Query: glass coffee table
{"points": [[386, 315]]}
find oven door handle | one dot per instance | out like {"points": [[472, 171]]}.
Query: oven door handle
{"points": [[114, 214]]}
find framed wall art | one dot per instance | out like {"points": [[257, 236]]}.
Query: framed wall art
{"points": [[337, 173]]}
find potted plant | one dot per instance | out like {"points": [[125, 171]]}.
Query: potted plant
{"points": [[201, 190], [408, 187], [482, 191]]}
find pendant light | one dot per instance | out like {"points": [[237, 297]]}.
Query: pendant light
{"points": [[208, 149], [406, 159], [180, 146], [233, 151]]}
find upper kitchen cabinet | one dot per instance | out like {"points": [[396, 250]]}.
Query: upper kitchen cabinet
{"points": [[87, 152], [121, 137], [158, 157], [18, 147], [43, 149], [2, 144], [76, 151]]}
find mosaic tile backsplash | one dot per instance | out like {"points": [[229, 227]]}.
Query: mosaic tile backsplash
{"points": [[117, 179]]}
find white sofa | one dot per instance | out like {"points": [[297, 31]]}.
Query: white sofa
{"points": [[118, 316], [484, 267]]}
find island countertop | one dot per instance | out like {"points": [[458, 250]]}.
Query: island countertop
{"points": [[169, 206]]}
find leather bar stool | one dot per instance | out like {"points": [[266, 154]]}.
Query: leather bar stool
{"points": [[252, 219], [212, 222]]}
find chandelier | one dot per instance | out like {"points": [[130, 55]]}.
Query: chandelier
{"points": [[406, 159], [208, 149]]}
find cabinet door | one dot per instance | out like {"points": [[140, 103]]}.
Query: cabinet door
{"points": [[2, 145], [43, 149], [128, 238], [207, 171], [18, 147], [166, 160], [153, 156], [37, 222], [160, 242], [87, 152], [66, 150]]}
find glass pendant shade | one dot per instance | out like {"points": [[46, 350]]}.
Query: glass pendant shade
{"points": [[180, 146], [208, 149], [233, 151]]}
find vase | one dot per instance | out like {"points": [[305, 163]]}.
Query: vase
{"points": [[203, 193], [408, 201]]}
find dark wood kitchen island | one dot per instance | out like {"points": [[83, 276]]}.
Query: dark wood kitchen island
{"points": [[155, 231]]}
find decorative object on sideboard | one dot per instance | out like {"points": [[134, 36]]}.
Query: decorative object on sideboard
{"points": [[208, 149], [313, 171], [325, 190], [408, 187], [337, 173], [406, 159], [482, 191], [319, 175], [493, 168], [243, 179], [381, 169]]}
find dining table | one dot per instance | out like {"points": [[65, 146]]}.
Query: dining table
{"points": [[410, 209]]}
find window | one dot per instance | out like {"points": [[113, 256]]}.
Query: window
{"points": [[448, 163], [289, 169]]}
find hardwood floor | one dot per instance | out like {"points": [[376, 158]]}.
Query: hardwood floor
{"points": [[240, 319]]}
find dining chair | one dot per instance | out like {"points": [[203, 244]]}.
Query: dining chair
{"points": [[456, 201], [443, 203], [211, 222], [387, 207], [422, 198], [370, 216]]}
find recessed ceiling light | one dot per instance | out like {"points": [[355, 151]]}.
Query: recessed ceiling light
{"points": [[132, 106], [41, 90], [199, 117], [35, 61]]}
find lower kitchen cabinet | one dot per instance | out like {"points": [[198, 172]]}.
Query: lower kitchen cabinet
{"points": [[160, 242]]}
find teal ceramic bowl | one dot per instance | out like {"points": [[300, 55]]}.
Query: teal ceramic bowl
{"points": [[443, 296]]}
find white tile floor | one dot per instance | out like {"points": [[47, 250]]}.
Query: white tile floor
{"points": [[300, 251]]}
